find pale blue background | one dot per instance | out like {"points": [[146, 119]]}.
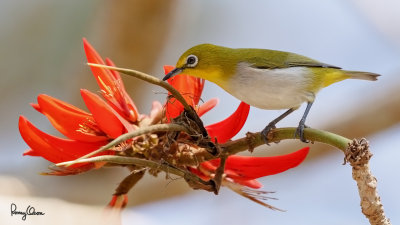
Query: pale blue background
{"points": [[359, 35]]}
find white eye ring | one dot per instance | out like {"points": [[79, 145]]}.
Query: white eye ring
{"points": [[191, 61]]}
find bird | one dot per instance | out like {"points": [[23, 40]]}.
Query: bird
{"points": [[263, 78]]}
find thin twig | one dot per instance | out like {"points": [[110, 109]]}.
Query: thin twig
{"points": [[150, 79], [123, 160], [126, 136]]}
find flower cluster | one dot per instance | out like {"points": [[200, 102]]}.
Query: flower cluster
{"points": [[114, 113]]}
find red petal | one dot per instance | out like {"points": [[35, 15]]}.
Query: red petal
{"points": [[36, 107], [168, 68], [190, 88], [245, 169], [173, 108], [248, 167], [30, 152], [103, 114], [226, 129], [68, 119], [103, 76], [52, 148], [207, 106], [126, 106]]}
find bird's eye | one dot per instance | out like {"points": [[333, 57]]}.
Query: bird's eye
{"points": [[191, 61]]}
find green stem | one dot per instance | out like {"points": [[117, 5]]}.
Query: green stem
{"points": [[279, 134]]}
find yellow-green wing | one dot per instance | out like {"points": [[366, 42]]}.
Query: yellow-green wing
{"points": [[270, 59]]}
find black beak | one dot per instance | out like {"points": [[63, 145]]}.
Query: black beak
{"points": [[174, 72]]}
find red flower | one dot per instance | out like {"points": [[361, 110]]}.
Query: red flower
{"points": [[85, 131], [238, 169], [117, 114]]}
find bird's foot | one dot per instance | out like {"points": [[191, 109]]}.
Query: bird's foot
{"points": [[300, 132], [265, 132]]}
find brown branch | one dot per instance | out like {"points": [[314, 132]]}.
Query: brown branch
{"points": [[126, 136], [253, 140], [358, 155], [192, 179]]}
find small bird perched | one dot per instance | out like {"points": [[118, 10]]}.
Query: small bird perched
{"points": [[266, 79]]}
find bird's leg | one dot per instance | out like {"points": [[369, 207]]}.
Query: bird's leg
{"points": [[300, 128], [271, 125], [219, 174]]}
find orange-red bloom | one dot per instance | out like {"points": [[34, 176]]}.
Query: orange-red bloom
{"points": [[108, 119], [85, 131]]}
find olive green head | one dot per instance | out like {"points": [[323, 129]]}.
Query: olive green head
{"points": [[207, 61]]}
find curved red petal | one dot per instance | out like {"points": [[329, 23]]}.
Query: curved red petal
{"points": [[207, 106], [30, 152], [126, 107], [36, 107], [190, 88], [226, 129], [68, 119], [212, 165], [52, 148], [103, 114], [103, 76], [168, 68], [248, 167]]}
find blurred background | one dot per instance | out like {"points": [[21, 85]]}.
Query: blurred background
{"points": [[41, 52]]}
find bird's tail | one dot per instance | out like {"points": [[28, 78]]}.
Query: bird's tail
{"points": [[362, 75]]}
